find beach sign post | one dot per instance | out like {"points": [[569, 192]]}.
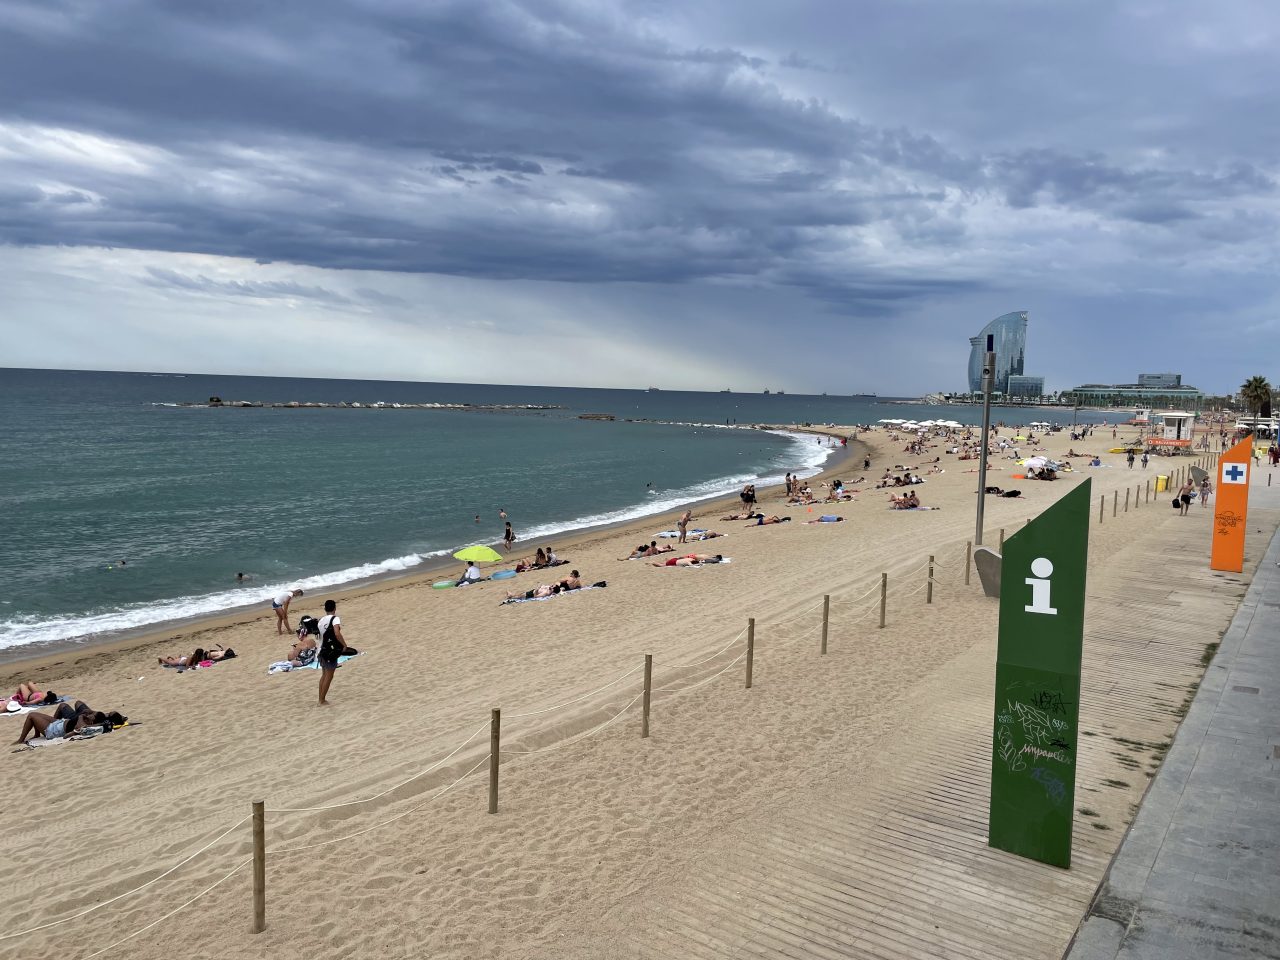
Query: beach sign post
{"points": [[1232, 508], [1037, 709]]}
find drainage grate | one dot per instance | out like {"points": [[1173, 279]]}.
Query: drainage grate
{"points": [[1239, 689]]}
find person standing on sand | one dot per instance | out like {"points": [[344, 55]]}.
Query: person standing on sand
{"points": [[683, 525], [508, 536], [280, 604], [328, 667]]}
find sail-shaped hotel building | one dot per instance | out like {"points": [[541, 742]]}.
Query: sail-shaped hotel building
{"points": [[1010, 333]]}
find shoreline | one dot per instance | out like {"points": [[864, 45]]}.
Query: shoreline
{"points": [[15, 662]]}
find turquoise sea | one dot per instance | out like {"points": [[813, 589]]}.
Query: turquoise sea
{"points": [[101, 468]]}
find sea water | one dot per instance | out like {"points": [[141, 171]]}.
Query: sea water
{"points": [[121, 509]]}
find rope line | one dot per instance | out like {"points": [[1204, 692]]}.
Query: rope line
{"points": [[569, 703], [359, 833], [127, 893], [686, 666], [683, 690], [236, 869], [379, 796], [577, 737]]}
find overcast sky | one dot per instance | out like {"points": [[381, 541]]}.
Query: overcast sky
{"points": [[815, 196]]}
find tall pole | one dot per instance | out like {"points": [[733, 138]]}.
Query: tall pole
{"points": [[988, 376]]}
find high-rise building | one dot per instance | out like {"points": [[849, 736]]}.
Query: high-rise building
{"points": [[1159, 380], [1010, 333]]}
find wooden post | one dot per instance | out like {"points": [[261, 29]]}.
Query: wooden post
{"points": [[751, 647], [1126, 499], [495, 742], [1002, 539], [928, 590], [968, 559], [648, 689], [259, 866], [1115, 502], [884, 596], [1148, 491], [826, 619], [1102, 506]]}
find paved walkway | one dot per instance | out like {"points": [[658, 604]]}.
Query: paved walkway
{"points": [[1198, 875]]}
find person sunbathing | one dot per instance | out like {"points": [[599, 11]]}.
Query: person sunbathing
{"points": [[572, 582], [706, 535], [199, 656], [303, 653], [54, 728], [761, 520], [540, 558], [28, 695], [832, 518], [651, 550], [742, 516], [693, 560], [542, 590]]}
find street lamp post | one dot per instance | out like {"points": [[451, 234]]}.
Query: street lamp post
{"points": [[988, 378]]}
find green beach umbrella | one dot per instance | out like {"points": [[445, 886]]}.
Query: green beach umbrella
{"points": [[479, 554]]}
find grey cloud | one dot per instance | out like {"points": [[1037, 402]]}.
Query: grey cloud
{"points": [[255, 290], [537, 140]]}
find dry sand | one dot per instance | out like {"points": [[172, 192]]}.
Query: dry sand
{"points": [[588, 821]]}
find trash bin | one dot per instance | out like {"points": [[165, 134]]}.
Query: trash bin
{"points": [[1162, 483]]}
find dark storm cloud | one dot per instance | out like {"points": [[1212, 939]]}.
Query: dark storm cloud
{"points": [[544, 140]]}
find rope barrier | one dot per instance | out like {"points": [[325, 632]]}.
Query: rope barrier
{"points": [[569, 703], [686, 666], [576, 738], [682, 690], [127, 893], [236, 869], [379, 796], [359, 833]]}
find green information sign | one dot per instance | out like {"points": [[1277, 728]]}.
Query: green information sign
{"points": [[1033, 762]]}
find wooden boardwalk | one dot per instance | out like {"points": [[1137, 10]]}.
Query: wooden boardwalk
{"points": [[888, 859]]}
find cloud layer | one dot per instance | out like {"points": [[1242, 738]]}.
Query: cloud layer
{"points": [[924, 163]]}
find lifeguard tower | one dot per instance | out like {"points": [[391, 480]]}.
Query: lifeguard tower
{"points": [[1173, 431]]}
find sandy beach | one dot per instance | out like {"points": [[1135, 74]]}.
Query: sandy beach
{"points": [[365, 851]]}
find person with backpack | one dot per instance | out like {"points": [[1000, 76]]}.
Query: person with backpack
{"points": [[332, 645]]}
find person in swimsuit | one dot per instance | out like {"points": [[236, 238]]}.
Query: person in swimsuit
{"points": [[28, 695], [542, 590], [280, 604], [1186, 495], [572, 582], [762, 520], [54, 728], [683, 525], [1206, 488], [827, 519], [508, 536], [198, 657]]}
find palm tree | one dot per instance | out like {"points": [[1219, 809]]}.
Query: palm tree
{"points": [[1256, 393]]}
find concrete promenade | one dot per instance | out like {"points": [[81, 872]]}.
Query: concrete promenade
{"points": [[1198, 875]]}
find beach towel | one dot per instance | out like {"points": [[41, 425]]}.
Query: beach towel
{"points": [[676, 533], [33, 706], [284, 666], [553, 596], [88, 733]]}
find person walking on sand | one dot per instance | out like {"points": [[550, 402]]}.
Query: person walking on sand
{"points": [[1130, 458], [1146, 458], [331, 638], [1186, 495], [683, 525], [280, 604], [508, 536], [1206, 488]]}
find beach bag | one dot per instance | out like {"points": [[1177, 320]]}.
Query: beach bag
{"points": [[1177, 503], [331, 648]]}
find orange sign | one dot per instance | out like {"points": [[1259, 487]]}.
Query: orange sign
{"points": [[1231, 508]]}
